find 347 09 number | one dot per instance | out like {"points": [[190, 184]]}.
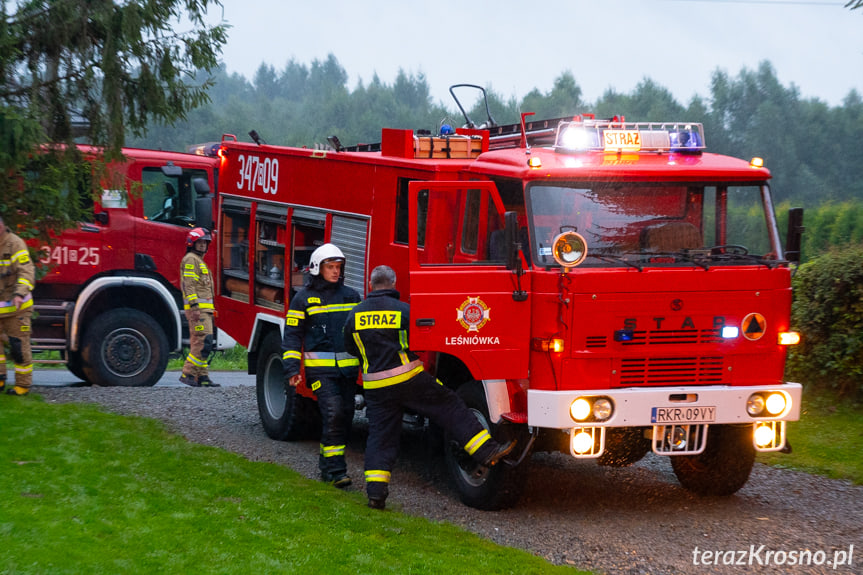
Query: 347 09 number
{"points": [[62, 255]]}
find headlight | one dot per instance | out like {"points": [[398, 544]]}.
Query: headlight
{"points": [[587, 409], [764, 435], [602, 409], [580, 409], [775, 403], [569, 249], [755, 405]]}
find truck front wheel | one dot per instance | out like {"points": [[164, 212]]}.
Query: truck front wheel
{"points": [[124, 347], [499, 487], [285, 414], [724, 465]]}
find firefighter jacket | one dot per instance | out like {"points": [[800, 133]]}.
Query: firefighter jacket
{"points": [[17, 273], [313, 331], [377, 332], [196, 281]]}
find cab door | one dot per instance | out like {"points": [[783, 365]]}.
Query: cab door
{"points": [[463, 298]]}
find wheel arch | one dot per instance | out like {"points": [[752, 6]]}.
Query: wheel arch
{"points": [[146, 295], [454, 373], [264, 325]]}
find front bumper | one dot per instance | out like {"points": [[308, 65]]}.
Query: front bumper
{"points": [[637, 407]]}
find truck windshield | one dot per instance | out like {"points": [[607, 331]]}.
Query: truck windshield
{"points": [[638, 225]]}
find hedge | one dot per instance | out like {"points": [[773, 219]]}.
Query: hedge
{"points": [[828, 312]]}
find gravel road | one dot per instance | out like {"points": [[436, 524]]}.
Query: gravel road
{"points": [[635, 520]]}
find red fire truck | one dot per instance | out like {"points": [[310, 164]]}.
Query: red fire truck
{"points": [[603, 288], [109, 300]]}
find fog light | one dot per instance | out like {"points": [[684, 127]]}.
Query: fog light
{"points": [[580, 409], [755, 405], [764, 435], [775, 403], [582, 442], [602, 409], [676, 438]]}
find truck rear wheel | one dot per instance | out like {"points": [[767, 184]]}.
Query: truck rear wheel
{"points": [[285, 415], [124, 347], [501, 486], [724, 465]]}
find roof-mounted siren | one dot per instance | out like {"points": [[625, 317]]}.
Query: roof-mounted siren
{"points": [[490, 123], [585, 134]]}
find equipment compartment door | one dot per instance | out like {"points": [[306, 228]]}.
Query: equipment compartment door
{"points": [[461, 296]]}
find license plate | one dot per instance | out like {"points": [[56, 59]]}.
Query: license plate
{"points": [[664, 415]]}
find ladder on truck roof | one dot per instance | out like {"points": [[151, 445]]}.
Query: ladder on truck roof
{"points": [[537, 133]]}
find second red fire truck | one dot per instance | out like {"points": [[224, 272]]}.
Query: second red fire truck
{"points": [[603, 288]]}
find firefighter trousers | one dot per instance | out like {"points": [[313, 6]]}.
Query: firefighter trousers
{"points": [[336, 402], [196, 362], [424, 395], [15, 329]]}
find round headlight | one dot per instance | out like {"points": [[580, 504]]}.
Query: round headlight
{"points": [[602, 409], [582, 442], [755, 405], [764, 435], [569, 249], [775, 403], [580, 409]]}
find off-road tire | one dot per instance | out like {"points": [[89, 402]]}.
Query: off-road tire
{"points": [[285, 415], [724, 465], [124, 347], [502, 485]]}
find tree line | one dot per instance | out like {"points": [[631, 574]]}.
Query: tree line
{"points": [[813, 149]]}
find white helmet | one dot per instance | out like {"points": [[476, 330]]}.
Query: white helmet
{"points": [[326, 252]]}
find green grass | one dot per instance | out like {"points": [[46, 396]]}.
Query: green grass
{"points": [[92, 492], [233, 359], [828, 439]]}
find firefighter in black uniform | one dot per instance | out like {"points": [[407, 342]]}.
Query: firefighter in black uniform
{"points": [[313, 333], [394, 379]]}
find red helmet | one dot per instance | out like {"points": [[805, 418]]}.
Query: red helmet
{"points": [[198, 234]]}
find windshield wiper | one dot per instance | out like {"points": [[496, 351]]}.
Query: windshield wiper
{"points": [[615, 260]]}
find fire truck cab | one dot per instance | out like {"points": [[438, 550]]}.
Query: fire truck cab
{"points": [[602, 288], [109, 300]]}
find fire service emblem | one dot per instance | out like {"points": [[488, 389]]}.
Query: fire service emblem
{"points": [[472, 314]]}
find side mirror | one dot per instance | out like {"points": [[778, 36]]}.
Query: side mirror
{"points": [[795, 233]]}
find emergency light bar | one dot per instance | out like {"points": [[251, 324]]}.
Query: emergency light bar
{"points": [[613, 136]]}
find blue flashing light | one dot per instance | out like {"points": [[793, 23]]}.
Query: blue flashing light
{"points": [[446, 130], [624, 335]]}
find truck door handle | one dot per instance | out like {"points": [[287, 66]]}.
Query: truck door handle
{"points": [[425, 322]]}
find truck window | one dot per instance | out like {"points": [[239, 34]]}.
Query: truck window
{"points": [[235, 250], [169, 199], [270, 239], [307, 235], [401, 231]]}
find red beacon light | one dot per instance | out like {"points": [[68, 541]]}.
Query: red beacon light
{"points": [[586, 135]]}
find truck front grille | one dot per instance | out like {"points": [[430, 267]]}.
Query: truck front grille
{"points": [[672, 371]]}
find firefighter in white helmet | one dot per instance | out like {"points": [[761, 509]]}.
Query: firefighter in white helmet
{"points": [[197, 284], [313, 334]]}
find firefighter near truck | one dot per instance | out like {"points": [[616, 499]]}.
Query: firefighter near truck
{"points": [[598, 287]]}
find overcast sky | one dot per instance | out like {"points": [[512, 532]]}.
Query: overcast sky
{"points": [[514, 46]]}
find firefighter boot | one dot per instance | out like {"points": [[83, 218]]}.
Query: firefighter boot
{"points": [[18, 391], [501, 452], [2, 383], [377, 493], [205, 381], [189, 380], [493, 458]]}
